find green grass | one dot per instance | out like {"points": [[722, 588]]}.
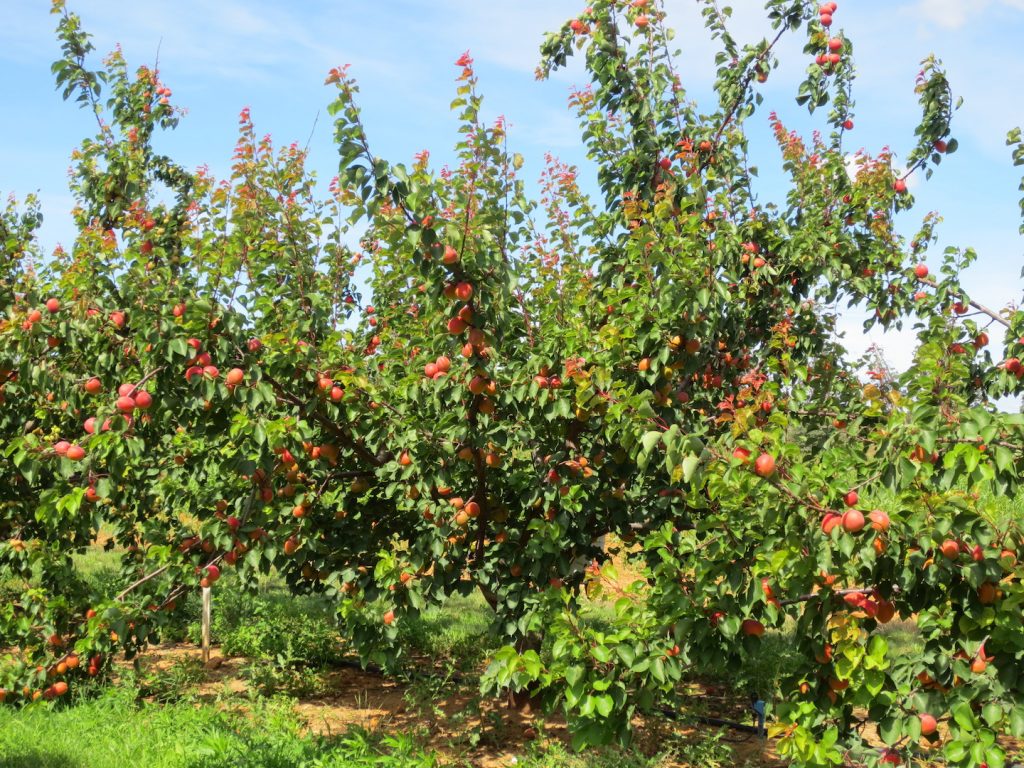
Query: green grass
{"points": [[457, 633], [270, 624], [113, 732]]}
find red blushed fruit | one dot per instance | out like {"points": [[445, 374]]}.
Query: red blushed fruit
{"points": [[451, 256], [235, 377], [126, 390], [741, 453], [76, 453], [950, 549], [752, 627], [389, 616], [940, 146], [178, 310], [642, 21], [764, 465], [463, 291], [118, 319], [93, 386], [885, 612], [430, 370], [899, 186], [443, 364], [921, 271], [212, 573], [879, 520], [211, 371], [835, 44], [848, 125], [52, 306], [853, 521], [928, 724], [829, 522], [255, 345], [851, 498], [61, 447], [125, 404], [143, 399], [456, 326], [1013, 365]]}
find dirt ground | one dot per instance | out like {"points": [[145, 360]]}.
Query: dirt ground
{"points": [[454, 721]]}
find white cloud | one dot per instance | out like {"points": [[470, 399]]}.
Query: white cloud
{"points": [[955, 14]]}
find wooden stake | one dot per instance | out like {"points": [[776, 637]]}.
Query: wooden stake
{"points": [[206, 625]]}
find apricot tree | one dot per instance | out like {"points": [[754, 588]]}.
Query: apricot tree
{"points": [[203, 381]]}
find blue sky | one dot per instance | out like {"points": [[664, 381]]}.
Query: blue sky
{"points": [[273, 56]]}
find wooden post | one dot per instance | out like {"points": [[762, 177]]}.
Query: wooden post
{"points": [[206, 625]]}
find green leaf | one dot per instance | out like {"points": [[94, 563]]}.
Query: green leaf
{"points": [[992, 713], [690, 465], [651, 439], [964, 717]]}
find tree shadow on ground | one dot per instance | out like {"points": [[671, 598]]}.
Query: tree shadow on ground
{"points": [[36, 759]]}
